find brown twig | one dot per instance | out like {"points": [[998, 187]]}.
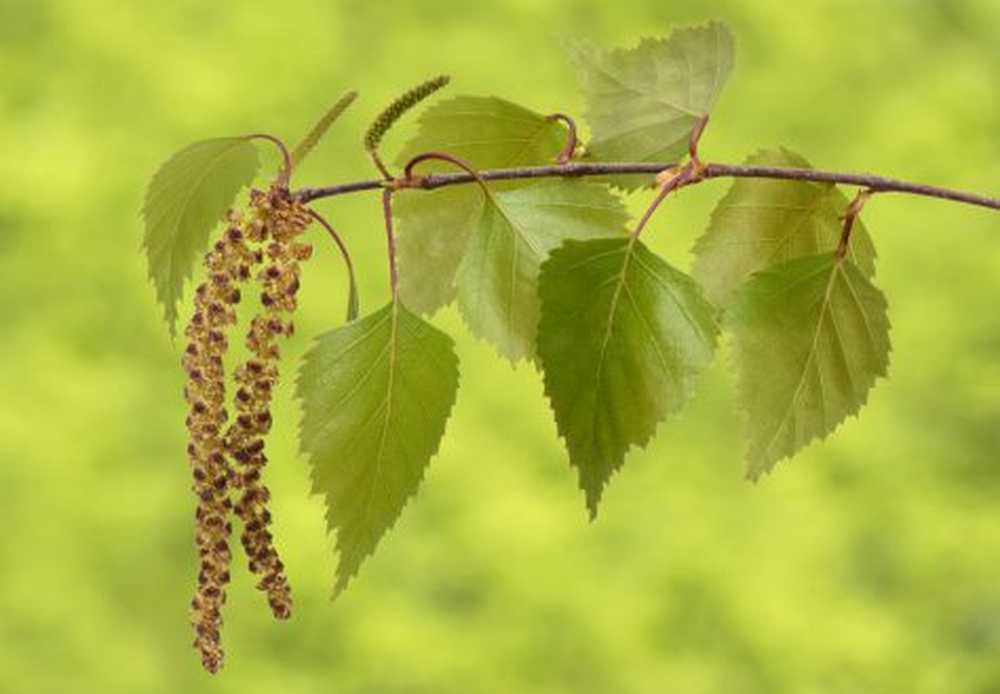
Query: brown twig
{"points": [[880, 184]]}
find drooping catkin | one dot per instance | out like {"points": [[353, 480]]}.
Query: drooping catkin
{"points": [[277, 223], [397, 108], [228, 262]]}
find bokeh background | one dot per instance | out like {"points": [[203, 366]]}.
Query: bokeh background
{"points": [[871, 563]]}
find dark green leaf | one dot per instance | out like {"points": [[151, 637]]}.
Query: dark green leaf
{"points": [[621, 339], [375, 397], [763, 222], [187, 197], [810, 338]]}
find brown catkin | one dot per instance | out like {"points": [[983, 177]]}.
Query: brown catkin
{"points": [[277, 222], [228, 262]]}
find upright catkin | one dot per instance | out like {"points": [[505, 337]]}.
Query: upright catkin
{"points": [[228, 262], [277, 222]]}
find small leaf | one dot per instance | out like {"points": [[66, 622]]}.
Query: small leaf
{"points": [[810, 338], [375, 397], [187, 197], [763, 222], [487, 132], [643, 102], [621, 339], [314, 136], [497, 279]]}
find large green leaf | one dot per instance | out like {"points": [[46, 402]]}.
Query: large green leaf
{"points": [[375, 394], [643, 102], [187, 197], [487, 248], [763, 222], [810, 337], [487, 132], [516, 230], [621, 339]]}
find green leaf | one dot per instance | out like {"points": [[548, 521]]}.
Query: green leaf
{"points": [[622, 337], [187, 197], [643, 102], [763, 222], [432, 231], [810, 337], [314, 136], [487, 132], [487, 249], [375, 397], [497, 279]]}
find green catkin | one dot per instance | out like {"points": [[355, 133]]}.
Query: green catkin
{"points": [[228, 263], [319, 130], [397, 108], [278, 221]]}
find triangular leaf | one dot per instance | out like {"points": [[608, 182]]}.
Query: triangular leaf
{"points": [[487, 132], [643, 102], [764, 222], [621, 338], [375, 394], [810, 338], [187, 197], [497, 279]]}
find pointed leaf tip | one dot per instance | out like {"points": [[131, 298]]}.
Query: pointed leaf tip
{"points": [[622, 338], [376, 395], [810, 338]]}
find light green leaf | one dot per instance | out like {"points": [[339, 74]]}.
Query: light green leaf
{"points": [[487, 132], [187, 197], [433, 229], [486, 249], [621, 339], [810, 337], [763, 222], [643, 102], [516, 230], [375, 395]]}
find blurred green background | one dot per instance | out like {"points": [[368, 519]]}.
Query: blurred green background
{"points": [[869, 564]]}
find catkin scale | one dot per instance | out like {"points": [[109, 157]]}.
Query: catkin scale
{"points": [[207, 415], [279, 221]]}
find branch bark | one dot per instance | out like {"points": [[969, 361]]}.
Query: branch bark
{"points": [[880, 184]]}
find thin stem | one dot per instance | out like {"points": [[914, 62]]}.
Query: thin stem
{"points": [[380, 165], [567, 152], [850, 216], [409, 178], [696, 132], [340, 244], [684, 177], [390, 238], [286, 170], [880, 184]]}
